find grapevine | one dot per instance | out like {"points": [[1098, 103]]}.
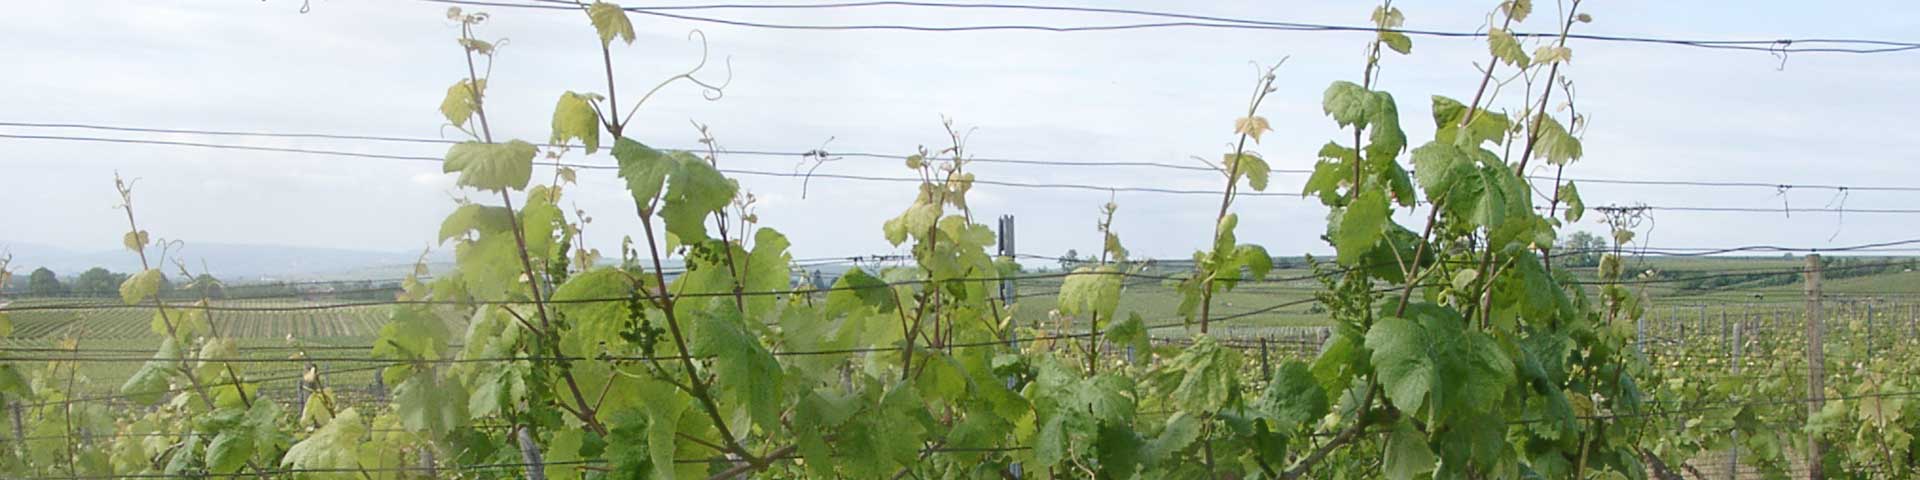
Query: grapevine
{"points": [[1457, 348]]}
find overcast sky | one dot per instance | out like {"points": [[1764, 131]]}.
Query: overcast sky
{"points": [[381, 67]]}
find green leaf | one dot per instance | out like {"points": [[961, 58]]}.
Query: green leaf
{"points": [[428, 404], [1407, 455], [1181, 430], [134, 241], [333, 446], [491, 166], [1438, 362], [644, 168], [1293, 400], [745, 369], [473, 217], [140, 286], [610, 21], [1251, 166], [1255, 259], [1204, 375], [1553, 143], [857, 288], [1091, 291], [1131, 332], [1347, 103], [1485, 126], [1552, 54], [1570, 195], [1439, 167], [1387, 17], [460, 102], [1251, 126], [1506, 48], [573, 118], [1397, 41], [1401, 358], [696, 191], [1386, 140], [594, 322], [1517, 9], [1361, 226], [153, 379]]}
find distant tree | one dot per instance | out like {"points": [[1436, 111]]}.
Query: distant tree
{"points": [[43, 282], [1068, 261], [98, 282], [206, 286], [1583, 249]]}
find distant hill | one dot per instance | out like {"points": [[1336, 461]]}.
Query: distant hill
{"points": [[230, 262]]}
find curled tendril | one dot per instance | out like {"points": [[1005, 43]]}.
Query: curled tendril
{"points": [[817, 157], [708, 90], [1779, 50]]}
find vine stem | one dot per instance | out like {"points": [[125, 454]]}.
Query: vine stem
{"points": [[1553, 72], [695, 386], [585, 412], [1261, 89], [1345, 436]]}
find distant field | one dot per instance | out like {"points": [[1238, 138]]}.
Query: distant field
{"points": [[337, 337], [113, 339]]}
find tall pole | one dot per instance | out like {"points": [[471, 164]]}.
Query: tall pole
{"points": [[1008, 291], [1816, 365]]}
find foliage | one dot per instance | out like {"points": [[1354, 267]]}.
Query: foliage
{"points": [[1458, 351]]}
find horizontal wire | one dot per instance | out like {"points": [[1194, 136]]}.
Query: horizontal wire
{"points": [[1783, 45], [1030, 185], [1013, 161]]}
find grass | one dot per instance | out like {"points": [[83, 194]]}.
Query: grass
{"points": [[123, 332]]}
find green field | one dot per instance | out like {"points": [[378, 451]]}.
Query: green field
{"points": [[114, 339]]}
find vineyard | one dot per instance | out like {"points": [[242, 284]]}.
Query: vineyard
{"points": [[1450, 333]]}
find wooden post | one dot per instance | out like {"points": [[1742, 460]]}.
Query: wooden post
{"points": [[530, 455], [1266, 370], [1870, 331], [19, 435], [1816, 365], [1640, 336], [1733, 458]]}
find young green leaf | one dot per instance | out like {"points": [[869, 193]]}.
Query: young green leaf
{"points": [[1361, 226], [1554, 144], [1251, 166], [1398, 42], [491, 166], [1347, 103], [610, 21], [332, 447], [1570, 195], [1091, 291], [140, 286], [1293, 399], [573, 118], [1251, 126], [1407, 455], [1506, 48], [461, 101]]}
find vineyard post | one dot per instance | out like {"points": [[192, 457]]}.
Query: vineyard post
{"points": [[1703, 318], [1733, 459], [1008, 291], [1266, 370], [1723, 327], [1816, 365], [19, 435], [1640, 336], [1869, 330]]}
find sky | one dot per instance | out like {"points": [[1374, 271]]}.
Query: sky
{"points": [[382, 67]]}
